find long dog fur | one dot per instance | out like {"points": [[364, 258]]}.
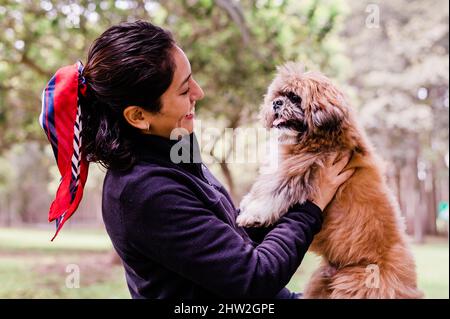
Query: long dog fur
{"points": [[362, 241]]}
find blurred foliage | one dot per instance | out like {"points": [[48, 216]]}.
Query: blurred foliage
{"points": [[402, 79], [394, 69], [399, 78], [233, 46]]}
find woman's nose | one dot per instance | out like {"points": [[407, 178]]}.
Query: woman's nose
{"points": [[198, 93]]}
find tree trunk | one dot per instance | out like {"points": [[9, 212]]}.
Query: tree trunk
{"points": [[398, 188], [409, 199], [420, 202], [432, 203], [421, 214]]}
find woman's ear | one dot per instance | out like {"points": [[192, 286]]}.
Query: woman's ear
{"points": [[137, 117]]}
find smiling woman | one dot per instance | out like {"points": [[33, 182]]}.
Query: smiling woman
{"points": [[172, 224], [178, 102], [148, 79], [126, 73]]}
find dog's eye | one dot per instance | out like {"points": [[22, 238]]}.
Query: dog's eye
{"points": [[294, 98]]}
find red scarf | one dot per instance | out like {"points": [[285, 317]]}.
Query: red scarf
{"points": [[61, 120]]}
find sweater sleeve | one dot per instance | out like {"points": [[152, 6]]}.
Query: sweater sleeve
{"points": [[179, 232], [257, 234]]}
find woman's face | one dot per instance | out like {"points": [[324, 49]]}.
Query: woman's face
{"points": [[178, 102]]}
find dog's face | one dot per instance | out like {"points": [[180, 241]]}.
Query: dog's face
{"points": [[300, 104]]}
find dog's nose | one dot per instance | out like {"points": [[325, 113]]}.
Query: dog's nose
{"points": [[277, 104]]}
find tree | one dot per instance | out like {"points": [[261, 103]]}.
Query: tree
{"points": [[233, 46], [400, 74]]}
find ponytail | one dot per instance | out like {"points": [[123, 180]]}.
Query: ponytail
{"points": [[82, 108]]}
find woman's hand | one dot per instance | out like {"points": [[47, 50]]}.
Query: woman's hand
{"points": [[330, 178]]}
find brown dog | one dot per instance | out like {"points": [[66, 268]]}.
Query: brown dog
{"points": [[362, 241]]}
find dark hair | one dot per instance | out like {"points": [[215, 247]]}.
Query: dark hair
{"points": [[129, 64]]}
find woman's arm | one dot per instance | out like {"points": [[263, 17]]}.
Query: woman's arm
{"points": [[257, 234], [177, 231]]}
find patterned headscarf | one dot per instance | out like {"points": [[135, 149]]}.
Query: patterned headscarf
{"points": [[61, 120]]}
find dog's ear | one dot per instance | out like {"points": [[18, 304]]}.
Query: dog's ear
{"points": [[328, 119], [327, 105]]}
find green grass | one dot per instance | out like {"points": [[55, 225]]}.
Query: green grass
{"points": [[432, 261], [33, 267], [23, 239], [433, 268], [28, 278]]}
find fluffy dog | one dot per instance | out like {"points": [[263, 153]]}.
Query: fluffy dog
{"points": [[362, 241]]}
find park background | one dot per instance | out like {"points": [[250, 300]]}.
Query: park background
{"points": [[389, 57]]}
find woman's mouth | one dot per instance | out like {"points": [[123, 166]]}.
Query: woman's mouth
{"points": [[190, 115]]}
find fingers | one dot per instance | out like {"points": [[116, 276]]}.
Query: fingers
{"points": [[345, 175], [343, 162], [332, 159]]}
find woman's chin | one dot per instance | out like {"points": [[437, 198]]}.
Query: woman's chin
{"points": [[188, 125], [184, 130]]}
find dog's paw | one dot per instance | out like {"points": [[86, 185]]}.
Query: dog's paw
{"points": [[248, 220], [249, 216], [259, 212], [254, 214]]}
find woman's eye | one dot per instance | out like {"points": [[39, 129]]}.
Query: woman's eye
{"points": [[186, 92]]}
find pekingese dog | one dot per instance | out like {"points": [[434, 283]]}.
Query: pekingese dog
{"points": [[362, 241]]}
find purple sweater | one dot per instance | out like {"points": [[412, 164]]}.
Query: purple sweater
{"points": [[173, 226]]}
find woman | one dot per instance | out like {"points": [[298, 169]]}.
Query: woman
{"points": [[173, 225]]}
